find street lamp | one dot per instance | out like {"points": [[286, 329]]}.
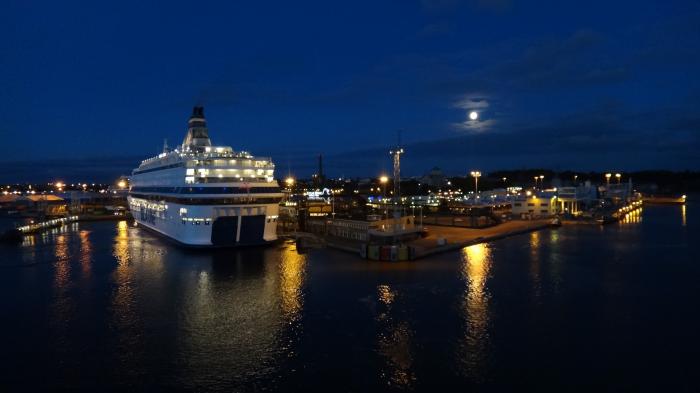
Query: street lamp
{"points": [[536, 177], [618, 176], [289, 181], [504, 181], [542, 182], [121, 184], [575, 177], [476, 175], [384, 179], [607, 179]]}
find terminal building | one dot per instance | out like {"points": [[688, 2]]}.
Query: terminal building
{"points": [[542, 204]]}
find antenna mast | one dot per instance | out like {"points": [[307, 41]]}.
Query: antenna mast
{"points": [[396, 153]]}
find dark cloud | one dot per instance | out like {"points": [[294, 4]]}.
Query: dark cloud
{"points": [[578, 60], [602, 138]]}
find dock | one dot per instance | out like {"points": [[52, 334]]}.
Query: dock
{"points": [[440, 239], [664, 200], [17, 234], [456, 238], [46, 224]]}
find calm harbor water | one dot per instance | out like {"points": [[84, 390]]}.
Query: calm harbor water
{"points": [[100, 305]]}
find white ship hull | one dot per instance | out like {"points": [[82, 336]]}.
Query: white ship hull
{"points": [[208, 225], [206, 196]]}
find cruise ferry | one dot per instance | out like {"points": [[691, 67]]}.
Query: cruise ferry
{"points": [[206, 196]]}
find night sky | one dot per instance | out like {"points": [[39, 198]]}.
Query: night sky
{"points": [[88, 89]]}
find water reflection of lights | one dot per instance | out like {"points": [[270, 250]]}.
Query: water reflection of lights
{"points": [[292, 273], [62, 265], [477, 264], [85, 252], [535, 263], [386, 296], [124, 296], [683, 219], [62, 305], [232, 315], [633, 217], [121, 246], [394, 343], [28, 241], [553, 237]]}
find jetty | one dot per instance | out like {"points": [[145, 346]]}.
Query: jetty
{"points": [[434, 240], [17, 234], [443, 239], [664, 200]]}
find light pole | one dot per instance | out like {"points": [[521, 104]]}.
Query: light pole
{"points": [[607, 180], [290, 183], [333, 205], [536, 177], [542, 182], [504, 181], [384, 179], [618, 176], [476, 175], [575, 177]]}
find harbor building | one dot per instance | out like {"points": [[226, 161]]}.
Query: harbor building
{"points": [[541, 204], [575, 200]]}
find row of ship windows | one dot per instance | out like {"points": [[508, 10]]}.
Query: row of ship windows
{"points": [[211, 201], [207, 221], [207, 172], [221, 179], [196, 221], [248, 163]]}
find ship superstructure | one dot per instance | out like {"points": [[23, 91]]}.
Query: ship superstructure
{"points": [[204, 195]]}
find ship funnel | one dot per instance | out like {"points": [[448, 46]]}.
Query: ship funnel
{"points": [[197, 132]]}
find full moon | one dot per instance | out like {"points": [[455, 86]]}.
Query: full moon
{"points": [[473, 115]]}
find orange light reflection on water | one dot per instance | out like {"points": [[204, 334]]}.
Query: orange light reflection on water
{"points": [[477, 265], [85, 253], [61, 265], [292, 274], [394, 342], [683, 215]]}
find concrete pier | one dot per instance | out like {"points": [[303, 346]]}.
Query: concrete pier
{"points": [[446, 238], [456, 238]]}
